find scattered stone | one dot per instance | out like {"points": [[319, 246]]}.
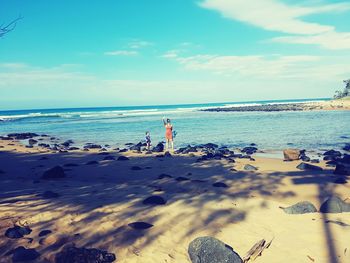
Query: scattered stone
{"points": [[334, 205], [220, 184], [44, 233], [332, 153], [67, 143], [315, 161], [249, 150], [154, 200], [56, 172], [21, 254], [22, 136], [136, 168], [73, 148], [300, 208], [291, 154], [17, 232], [92, 146], [306, 166], [140, 225], [212, 250], [72, 254], [49, 195], [123, 158], [123, 150], [249, 167]]}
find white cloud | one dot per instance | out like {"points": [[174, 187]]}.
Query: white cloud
{"points": [[329, 40], [137, 44], [267, 67], [274, 15], [121, 53], [171, 54]]}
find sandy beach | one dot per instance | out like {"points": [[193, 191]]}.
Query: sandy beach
{"points": [[100, 197]]}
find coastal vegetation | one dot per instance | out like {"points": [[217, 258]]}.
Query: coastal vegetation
{"points": [[344, 93]]}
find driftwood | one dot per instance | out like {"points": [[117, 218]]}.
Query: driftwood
{"points": [[256, 250]]}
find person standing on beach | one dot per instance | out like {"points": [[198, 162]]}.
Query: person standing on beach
{"points": [[168, 134], [148, 140]]}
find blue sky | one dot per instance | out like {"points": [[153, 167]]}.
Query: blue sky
{"points": [[145, 52]]}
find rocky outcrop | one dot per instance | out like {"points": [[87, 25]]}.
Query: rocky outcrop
{"points": [[211, 250], [334, 205], [300, 208]]}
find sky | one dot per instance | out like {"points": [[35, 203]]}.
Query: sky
{"points": [[66, 53]]}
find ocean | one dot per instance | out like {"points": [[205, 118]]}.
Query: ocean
{"points": [[116, 126]]}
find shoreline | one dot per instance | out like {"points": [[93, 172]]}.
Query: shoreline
{"points": [[302, 106], [219, 195]]}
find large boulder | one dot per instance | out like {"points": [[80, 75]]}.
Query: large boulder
{"points": [[291, 154], [300, 208], [56, 172], [211, 250], [341, 169], [308, 167], [347, 147], [334, 205], [83, 255], [17, 232]]}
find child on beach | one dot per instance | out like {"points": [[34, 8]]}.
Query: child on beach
{"points": [[148, 140]]}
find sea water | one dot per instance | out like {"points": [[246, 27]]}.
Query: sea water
{"points": [[311, 130]]}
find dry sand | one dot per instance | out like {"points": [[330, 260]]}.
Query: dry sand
{"points": [[97, 202]]}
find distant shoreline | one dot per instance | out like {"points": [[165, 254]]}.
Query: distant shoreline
{"points": [[302, 106]]}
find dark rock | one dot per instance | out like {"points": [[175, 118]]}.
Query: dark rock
{"points": [[103, 150], [334, 205], [211, 146], [91, 162], [158, 148], [92, 146], [140, 225], [22, 136], [154, 200], [136, 168], [249, 150], [220, 184], [72, 254], [315, 161], [305, 158], [21, 254], [67, 143], [6, 138], [56, 172], [49, 195], [181, 179], [212, 250], [44, 233], [345, 159], [123, 158], [73, 148], [332, 153], [167, 154], [123, 150], [17, 231], [347, 147], [306, 166], [249, 167], [32, 141], [103, 153], [300, 208], [162, 176]]}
